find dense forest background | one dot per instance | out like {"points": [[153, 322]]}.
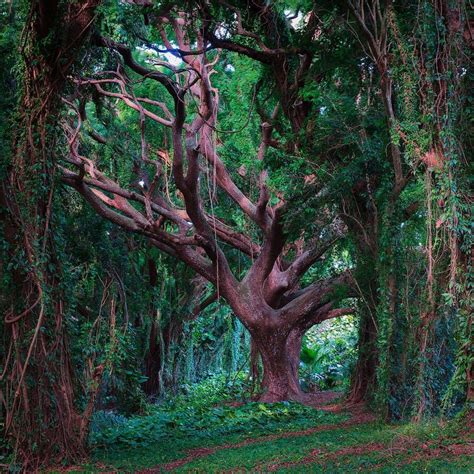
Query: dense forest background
{"points": [[248, 200]]}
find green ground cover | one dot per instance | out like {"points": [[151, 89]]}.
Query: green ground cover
{"points": [[199, 434]]}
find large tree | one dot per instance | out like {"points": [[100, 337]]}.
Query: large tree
{"points": [[269, 299], [37, 396], [418, 76]]}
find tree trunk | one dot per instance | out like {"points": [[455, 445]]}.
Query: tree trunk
{"points": [[363, 379], [277, 335], [152, 362], [280, 358], [41, 420]]}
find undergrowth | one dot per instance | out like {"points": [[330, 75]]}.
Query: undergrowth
{"points": [[168, 423], [369, 447], [206, 410], [206, 417]]}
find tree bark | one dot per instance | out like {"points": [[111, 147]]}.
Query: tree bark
{"points": [[280, 358], [152, 362], [363, 379]]}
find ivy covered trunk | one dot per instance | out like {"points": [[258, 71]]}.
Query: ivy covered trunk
{"points": [[41, 417], [153, 360]]}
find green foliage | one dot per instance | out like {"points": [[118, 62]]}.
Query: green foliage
{"points": [[211, 391], [202, 414], [276, 439], [328, 355]]}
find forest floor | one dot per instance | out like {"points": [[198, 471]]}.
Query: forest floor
{"points": [[340, 439]]}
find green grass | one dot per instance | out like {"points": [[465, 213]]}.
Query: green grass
{"points": [[404, 448], [260, 457]]}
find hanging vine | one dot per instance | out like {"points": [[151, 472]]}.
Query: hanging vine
{"points": [[41, 418]]}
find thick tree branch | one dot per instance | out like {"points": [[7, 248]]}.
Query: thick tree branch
{"points": [[313, 298]]}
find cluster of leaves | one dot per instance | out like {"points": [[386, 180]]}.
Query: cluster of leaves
{"points": [[211, 391]]}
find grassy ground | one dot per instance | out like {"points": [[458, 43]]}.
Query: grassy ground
{"points": [[279, 438], [370, 447]]}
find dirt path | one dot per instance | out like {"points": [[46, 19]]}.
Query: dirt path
{"points": [[320, 401]]}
